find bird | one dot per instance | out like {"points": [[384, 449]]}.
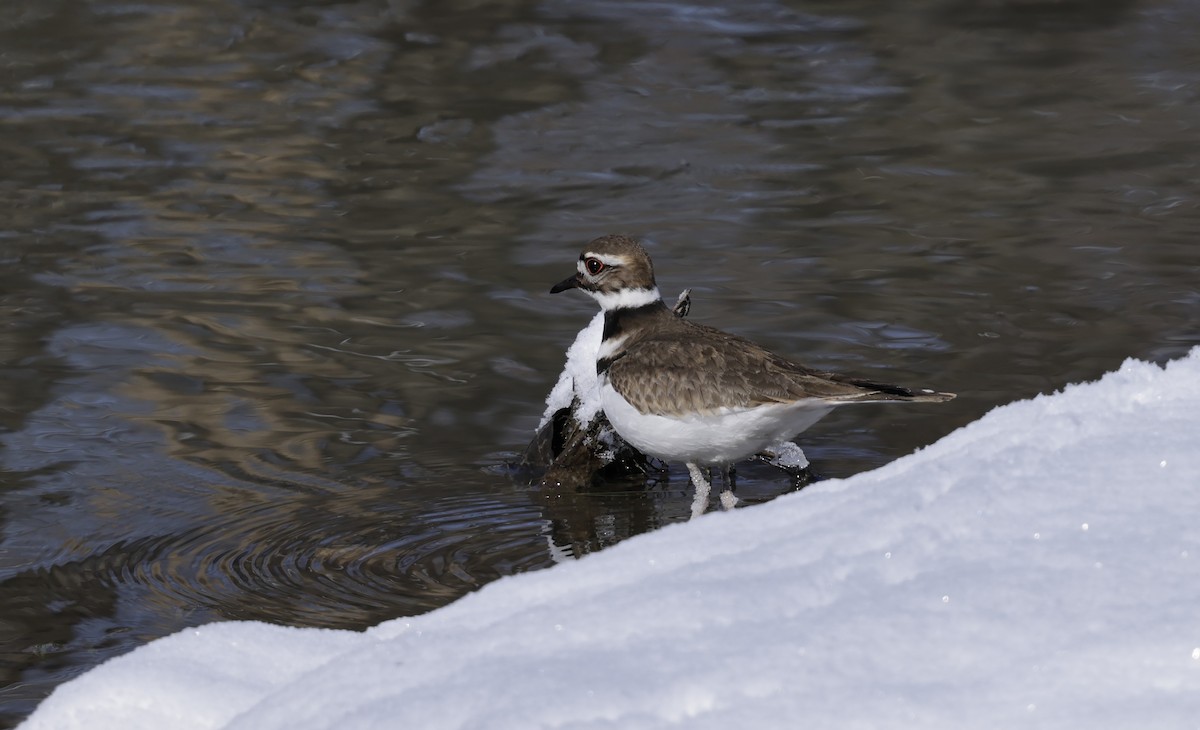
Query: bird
{"points": [[682, 391]]}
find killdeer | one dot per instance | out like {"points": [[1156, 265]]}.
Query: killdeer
{"points": [[683, 391]]}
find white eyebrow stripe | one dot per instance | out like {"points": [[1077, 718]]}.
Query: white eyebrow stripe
{"points": [[617, 260]]}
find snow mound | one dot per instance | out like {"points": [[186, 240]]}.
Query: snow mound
{"points": [[1039, 567]]}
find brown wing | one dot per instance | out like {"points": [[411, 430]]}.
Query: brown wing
{"points": [[674, 372]]}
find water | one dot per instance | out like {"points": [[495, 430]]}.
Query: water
{"points": [[274, 284]]}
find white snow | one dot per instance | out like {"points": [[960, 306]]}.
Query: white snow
{"points": [[788, 455], [1037, 568], [578, 378]]}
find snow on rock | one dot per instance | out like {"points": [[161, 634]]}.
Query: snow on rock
{"points": [[1037, 568], [788, 455], [578, 377]]}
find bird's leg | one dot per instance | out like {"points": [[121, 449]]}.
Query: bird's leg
{"points": [[728, 499], [698, 477], [703, 488]]}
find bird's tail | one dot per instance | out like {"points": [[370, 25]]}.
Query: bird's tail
{"points": [[873, 392]]}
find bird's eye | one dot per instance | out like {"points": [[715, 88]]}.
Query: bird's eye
{"points": [[594, 266]]}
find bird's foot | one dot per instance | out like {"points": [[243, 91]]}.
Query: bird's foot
{"points": [[703, 486], [729, 500], [703, 489]]}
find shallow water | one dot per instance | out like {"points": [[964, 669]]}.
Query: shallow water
{"points": [[274, 285]]}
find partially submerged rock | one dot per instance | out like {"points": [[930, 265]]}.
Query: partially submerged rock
{"points": [[567, 454]]}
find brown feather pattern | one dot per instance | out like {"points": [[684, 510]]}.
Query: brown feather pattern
{"points": [[672, 367]]}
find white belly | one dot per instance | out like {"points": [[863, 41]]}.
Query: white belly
{"points": [[720, 438]]}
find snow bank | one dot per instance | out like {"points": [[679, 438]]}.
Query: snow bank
{"points": [[1039, 567]]}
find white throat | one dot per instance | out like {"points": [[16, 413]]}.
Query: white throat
{"points": [[626, 298]]}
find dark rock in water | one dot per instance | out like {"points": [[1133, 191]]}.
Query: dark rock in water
{"points": [[570, 456]]}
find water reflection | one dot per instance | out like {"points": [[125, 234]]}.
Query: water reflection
{"points": [[273, 282]]}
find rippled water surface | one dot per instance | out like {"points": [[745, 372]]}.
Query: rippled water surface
{"points": [[273, 294]]}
